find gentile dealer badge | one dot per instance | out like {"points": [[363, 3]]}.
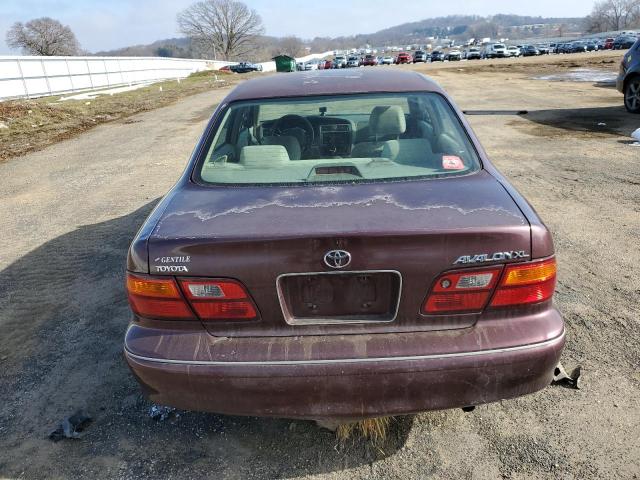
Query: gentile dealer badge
{"points": [[172, 268]]}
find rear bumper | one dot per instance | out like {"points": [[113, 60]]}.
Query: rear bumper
{"points": [[352, 387]]}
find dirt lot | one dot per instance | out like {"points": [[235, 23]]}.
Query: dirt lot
{"points": [[70, 210]]}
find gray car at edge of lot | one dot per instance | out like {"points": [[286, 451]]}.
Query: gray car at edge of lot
{"points": [[628, 81]]}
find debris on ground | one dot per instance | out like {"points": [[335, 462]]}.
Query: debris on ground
{"points": [[161, 413], [561, 377], [71, 427]]}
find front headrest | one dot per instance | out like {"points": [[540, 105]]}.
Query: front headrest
{"points": [[263, 156], [387, 121]]}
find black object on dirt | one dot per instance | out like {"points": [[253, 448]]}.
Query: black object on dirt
{"points": [[71, 427], [562, 378], [161, 413]]}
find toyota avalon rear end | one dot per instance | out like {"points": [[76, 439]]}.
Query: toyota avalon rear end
{"points": [[341, 248]]}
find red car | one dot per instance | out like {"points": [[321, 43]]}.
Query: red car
{"points": [[370, 61], [325, 65], [303, 268], [403, 57], [608, 43]]}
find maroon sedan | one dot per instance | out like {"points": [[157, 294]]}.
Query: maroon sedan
{"points": [[403, 57], [370, 61], [341, 247]]}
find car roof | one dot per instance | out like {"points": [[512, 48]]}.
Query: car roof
{"points": [[332, 82]]}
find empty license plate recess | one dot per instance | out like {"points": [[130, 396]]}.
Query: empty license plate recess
{"points": [[340, 297]]}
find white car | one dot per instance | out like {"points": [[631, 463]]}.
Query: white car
{"points": [[386, 60], [353, 62], [495, 50], [340, 61], [454, 55], [513, 51], [472, 53]]}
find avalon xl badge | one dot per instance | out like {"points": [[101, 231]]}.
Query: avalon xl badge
{"points": [[337, 258], [495, 257]]}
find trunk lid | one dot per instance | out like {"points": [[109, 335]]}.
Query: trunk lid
{"points": [[410, 231]]}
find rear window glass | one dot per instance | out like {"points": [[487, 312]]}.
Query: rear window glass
{"points": [[355, 138]]}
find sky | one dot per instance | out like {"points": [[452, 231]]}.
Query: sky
{"points": [[108, 24]]}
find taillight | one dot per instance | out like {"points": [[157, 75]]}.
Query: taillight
{"points": [[461, 291], [219, 299], [155, 297], [470, 291], [164, 298], [526, 283]]}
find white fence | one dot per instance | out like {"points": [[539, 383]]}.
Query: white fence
{"points": [[40, 76], [30, 76]]}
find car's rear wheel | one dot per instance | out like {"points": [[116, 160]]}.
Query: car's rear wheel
{"points": [[632, 95]]}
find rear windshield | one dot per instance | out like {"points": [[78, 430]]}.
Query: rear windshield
{"points": [[354, 138]]}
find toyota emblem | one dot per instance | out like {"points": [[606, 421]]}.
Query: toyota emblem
{"points": [[337, 258]]}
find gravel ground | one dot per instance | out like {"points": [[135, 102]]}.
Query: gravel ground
{"points": [[70, 210]]}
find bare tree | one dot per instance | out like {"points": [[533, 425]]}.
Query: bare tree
{"points": [[43, 36], [561, 29], [614, 15], [292, 46], [226, 27]]}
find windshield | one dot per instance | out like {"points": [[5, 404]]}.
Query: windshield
{"points": [[355, 138]]}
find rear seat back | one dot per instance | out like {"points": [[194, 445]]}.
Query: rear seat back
{"points": [[410, 151], [385, 122], [264, 156]]}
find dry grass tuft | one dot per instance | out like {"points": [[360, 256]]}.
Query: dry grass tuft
{"points": [[373, 429], [29, 125]]}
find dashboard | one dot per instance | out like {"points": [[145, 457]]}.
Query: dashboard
{"points": [[333, 136], [335, 139]]}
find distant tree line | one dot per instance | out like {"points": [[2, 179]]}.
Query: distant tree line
{"points": [[612, 15]]}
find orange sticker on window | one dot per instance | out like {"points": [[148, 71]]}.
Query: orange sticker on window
{"points": [[452, 162]]}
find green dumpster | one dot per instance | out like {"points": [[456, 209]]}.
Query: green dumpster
{"points": [[285, 63]]}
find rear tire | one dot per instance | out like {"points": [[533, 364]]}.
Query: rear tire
{"points": [[632, 95]]}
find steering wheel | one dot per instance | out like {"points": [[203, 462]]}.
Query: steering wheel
{"points": [[296, 126]]}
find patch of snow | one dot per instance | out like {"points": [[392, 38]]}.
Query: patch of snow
{"points": [[111, 91]]}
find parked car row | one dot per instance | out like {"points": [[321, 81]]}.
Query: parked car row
{"points": [[491, 51]]}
